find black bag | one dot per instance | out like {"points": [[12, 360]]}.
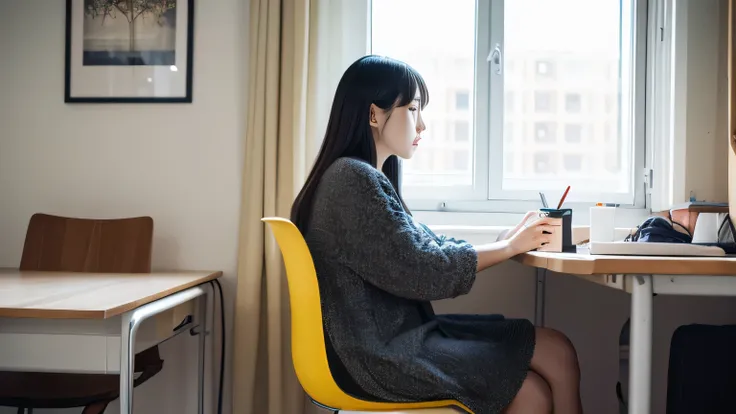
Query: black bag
{"points": [[727, 235], [659, 230], [702, 370]]}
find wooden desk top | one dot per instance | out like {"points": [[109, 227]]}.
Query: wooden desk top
{"points": [[582, 263], [58, 295]]}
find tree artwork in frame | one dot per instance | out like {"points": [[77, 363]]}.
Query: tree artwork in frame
{"points": [[129, 51]]}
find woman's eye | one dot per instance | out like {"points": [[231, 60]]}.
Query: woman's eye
{"points": [[412, 108]]}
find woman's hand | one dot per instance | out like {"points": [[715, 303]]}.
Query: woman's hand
{"points": [[520, 239], [508, 234], [526, 237]]}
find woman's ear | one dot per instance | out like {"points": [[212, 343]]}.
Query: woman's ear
{"points": [[372, 116]]}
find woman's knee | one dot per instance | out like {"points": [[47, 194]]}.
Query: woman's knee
{"points": [[553, 346], [534, 396]]}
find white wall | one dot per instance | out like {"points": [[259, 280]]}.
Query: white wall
{"points": [[700, 107], [180, 164], [707, 100]]}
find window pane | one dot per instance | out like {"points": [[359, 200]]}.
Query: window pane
{"points": [[543, 163], [544, 132], [544, 101], [508, 162], [573, 133], [462, 131], [573, 162], [572, 102], [565, 56], [462, 100], [444, 55]]}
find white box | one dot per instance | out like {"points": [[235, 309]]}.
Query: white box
{"points": [[602, 224]]}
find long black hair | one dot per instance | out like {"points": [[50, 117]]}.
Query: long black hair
{"points": [[385, 82]]}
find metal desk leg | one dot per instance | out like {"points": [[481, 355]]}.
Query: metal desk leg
{"points": [[539, 302], [640, 362], [131, 320], [201, 347]]}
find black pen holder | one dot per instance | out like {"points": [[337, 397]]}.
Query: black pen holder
{"points": [[565, 214]]}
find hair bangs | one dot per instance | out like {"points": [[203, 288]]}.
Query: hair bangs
{"points": [[411, 83]]}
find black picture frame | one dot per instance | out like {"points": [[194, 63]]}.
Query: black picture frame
{"points": [[99, 70]]}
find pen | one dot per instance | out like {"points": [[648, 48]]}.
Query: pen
{"points": [[562, 200], [544, 200]]}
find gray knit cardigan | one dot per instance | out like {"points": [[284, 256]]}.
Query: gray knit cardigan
{"points": [[378, 270]]}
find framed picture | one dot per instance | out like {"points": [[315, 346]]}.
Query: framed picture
{"points": [[129, 51]]}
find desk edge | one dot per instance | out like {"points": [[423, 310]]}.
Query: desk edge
{"points": [[109, 313], [102, 313]]}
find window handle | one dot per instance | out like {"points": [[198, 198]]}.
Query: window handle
{"points": [[495, 58]]}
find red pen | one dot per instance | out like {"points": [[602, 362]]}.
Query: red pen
{"points": [[562, 200]]}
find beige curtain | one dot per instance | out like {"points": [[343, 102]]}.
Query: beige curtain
{"points": [[292, 74]]}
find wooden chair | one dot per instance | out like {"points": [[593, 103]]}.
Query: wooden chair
{"points": [[81, 245]]}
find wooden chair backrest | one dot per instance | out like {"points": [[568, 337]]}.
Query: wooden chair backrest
{"points": [[55, 243]]}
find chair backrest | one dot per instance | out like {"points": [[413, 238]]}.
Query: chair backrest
{"points": [[55, 243], [308, 351]]}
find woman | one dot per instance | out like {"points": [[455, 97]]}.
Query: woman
{"points": [[378, 270]]}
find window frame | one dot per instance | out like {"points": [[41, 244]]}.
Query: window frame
{"points": [[488, 130]]}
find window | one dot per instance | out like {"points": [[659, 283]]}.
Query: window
{"points": [[460, 160], [529, 87], [544, 101], [508, 132], [544, 132], [509, 102], [573, 133], [572, 162], [445, 58], [543, 163], [508, 163], [609, 108], [573, 103], [462, 131], [545, 69], [462, 101], [612, 162]]}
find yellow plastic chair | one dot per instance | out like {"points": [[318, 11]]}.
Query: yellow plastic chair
{"points": [[308, 352]]}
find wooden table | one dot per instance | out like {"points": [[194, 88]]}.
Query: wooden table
{"points": [[642, 276], [582, 264], [89, 322]]}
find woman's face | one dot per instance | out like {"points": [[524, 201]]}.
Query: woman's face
{"points": [[397, 132]]}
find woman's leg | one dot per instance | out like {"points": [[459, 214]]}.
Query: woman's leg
{"points": [[534, 397], [556, 361]]}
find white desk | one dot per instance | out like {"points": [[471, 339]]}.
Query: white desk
{"points": [[641, 276], [97, 322]]}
